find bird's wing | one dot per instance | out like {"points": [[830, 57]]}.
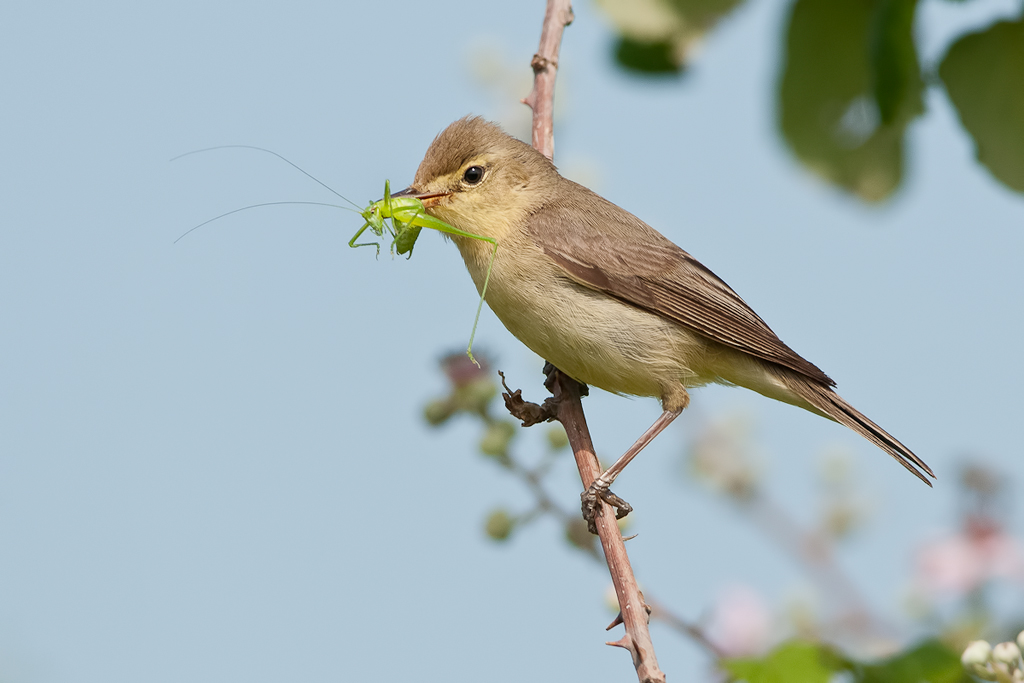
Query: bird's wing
{"points": [[601, 246]]}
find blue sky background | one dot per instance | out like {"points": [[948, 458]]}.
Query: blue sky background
{"points": [[212, 461]]}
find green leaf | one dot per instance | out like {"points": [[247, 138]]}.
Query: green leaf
{"points": [[656, 37], [802, 662], [655, 57], [793, 662], [930, 661], [897, 75], [984, 76], [830, 88]]}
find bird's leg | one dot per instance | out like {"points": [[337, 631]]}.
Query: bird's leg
{"points": [[599, 489]]}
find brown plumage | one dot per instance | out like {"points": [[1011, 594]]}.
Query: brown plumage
{"points": [[605, 297]]}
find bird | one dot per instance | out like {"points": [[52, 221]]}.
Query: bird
{"points": [[606, 298]]}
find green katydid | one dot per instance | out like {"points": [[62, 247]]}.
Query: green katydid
{"points": [[402, 211], [407, 216]]}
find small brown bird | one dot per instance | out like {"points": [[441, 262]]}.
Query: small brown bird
{"points": [[606, 298]]}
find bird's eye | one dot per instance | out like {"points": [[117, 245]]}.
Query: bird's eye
{"points": [[473, 174]]}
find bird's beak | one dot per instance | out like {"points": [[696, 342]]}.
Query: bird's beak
{"points": [[429, 199]]}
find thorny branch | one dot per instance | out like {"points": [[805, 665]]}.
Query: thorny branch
{"points": [[634, 613], [473, 392], [541, 99], [531, 414]]}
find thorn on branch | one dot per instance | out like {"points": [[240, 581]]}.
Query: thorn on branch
{"points": [[615, 622], [623, 642], [635, 650]]}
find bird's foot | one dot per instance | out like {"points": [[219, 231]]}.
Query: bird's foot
{"points": [[529, 413], [599, 491]]}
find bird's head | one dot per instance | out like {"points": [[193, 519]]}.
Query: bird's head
{"points": [[479, 179]]}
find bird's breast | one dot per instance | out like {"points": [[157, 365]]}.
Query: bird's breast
{"points": [[588, 334]]}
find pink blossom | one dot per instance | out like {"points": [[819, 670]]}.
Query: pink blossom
{"points": [[462, 371], [740, 622], [960, 563]]}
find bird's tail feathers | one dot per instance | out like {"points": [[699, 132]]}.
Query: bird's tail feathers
{"points": [[832, 404]]}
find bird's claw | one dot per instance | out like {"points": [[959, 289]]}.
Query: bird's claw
{"points": [[599, 491], [529, 413]]}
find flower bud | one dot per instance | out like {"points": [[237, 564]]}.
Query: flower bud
{"points": [[557, 438], [461, 370], [438, 411], [842, 517], [977, 652], [577, 534], [496, 439], [611, 599], [475, 396], [499, 525], [982, 671], [1020, 640], [1006, 653], [975, 659]]}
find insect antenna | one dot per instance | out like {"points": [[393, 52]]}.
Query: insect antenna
{"points": [[256, 206], [282, 158]]}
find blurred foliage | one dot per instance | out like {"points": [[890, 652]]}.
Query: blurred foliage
{"points": [[1002, 662], [804, 662], [831, 96], [657, 37], [931, 661], [894, 68], [471, 393], [794, 661], [851, 82], [648, 56], [984, 76], [948, 593]]}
